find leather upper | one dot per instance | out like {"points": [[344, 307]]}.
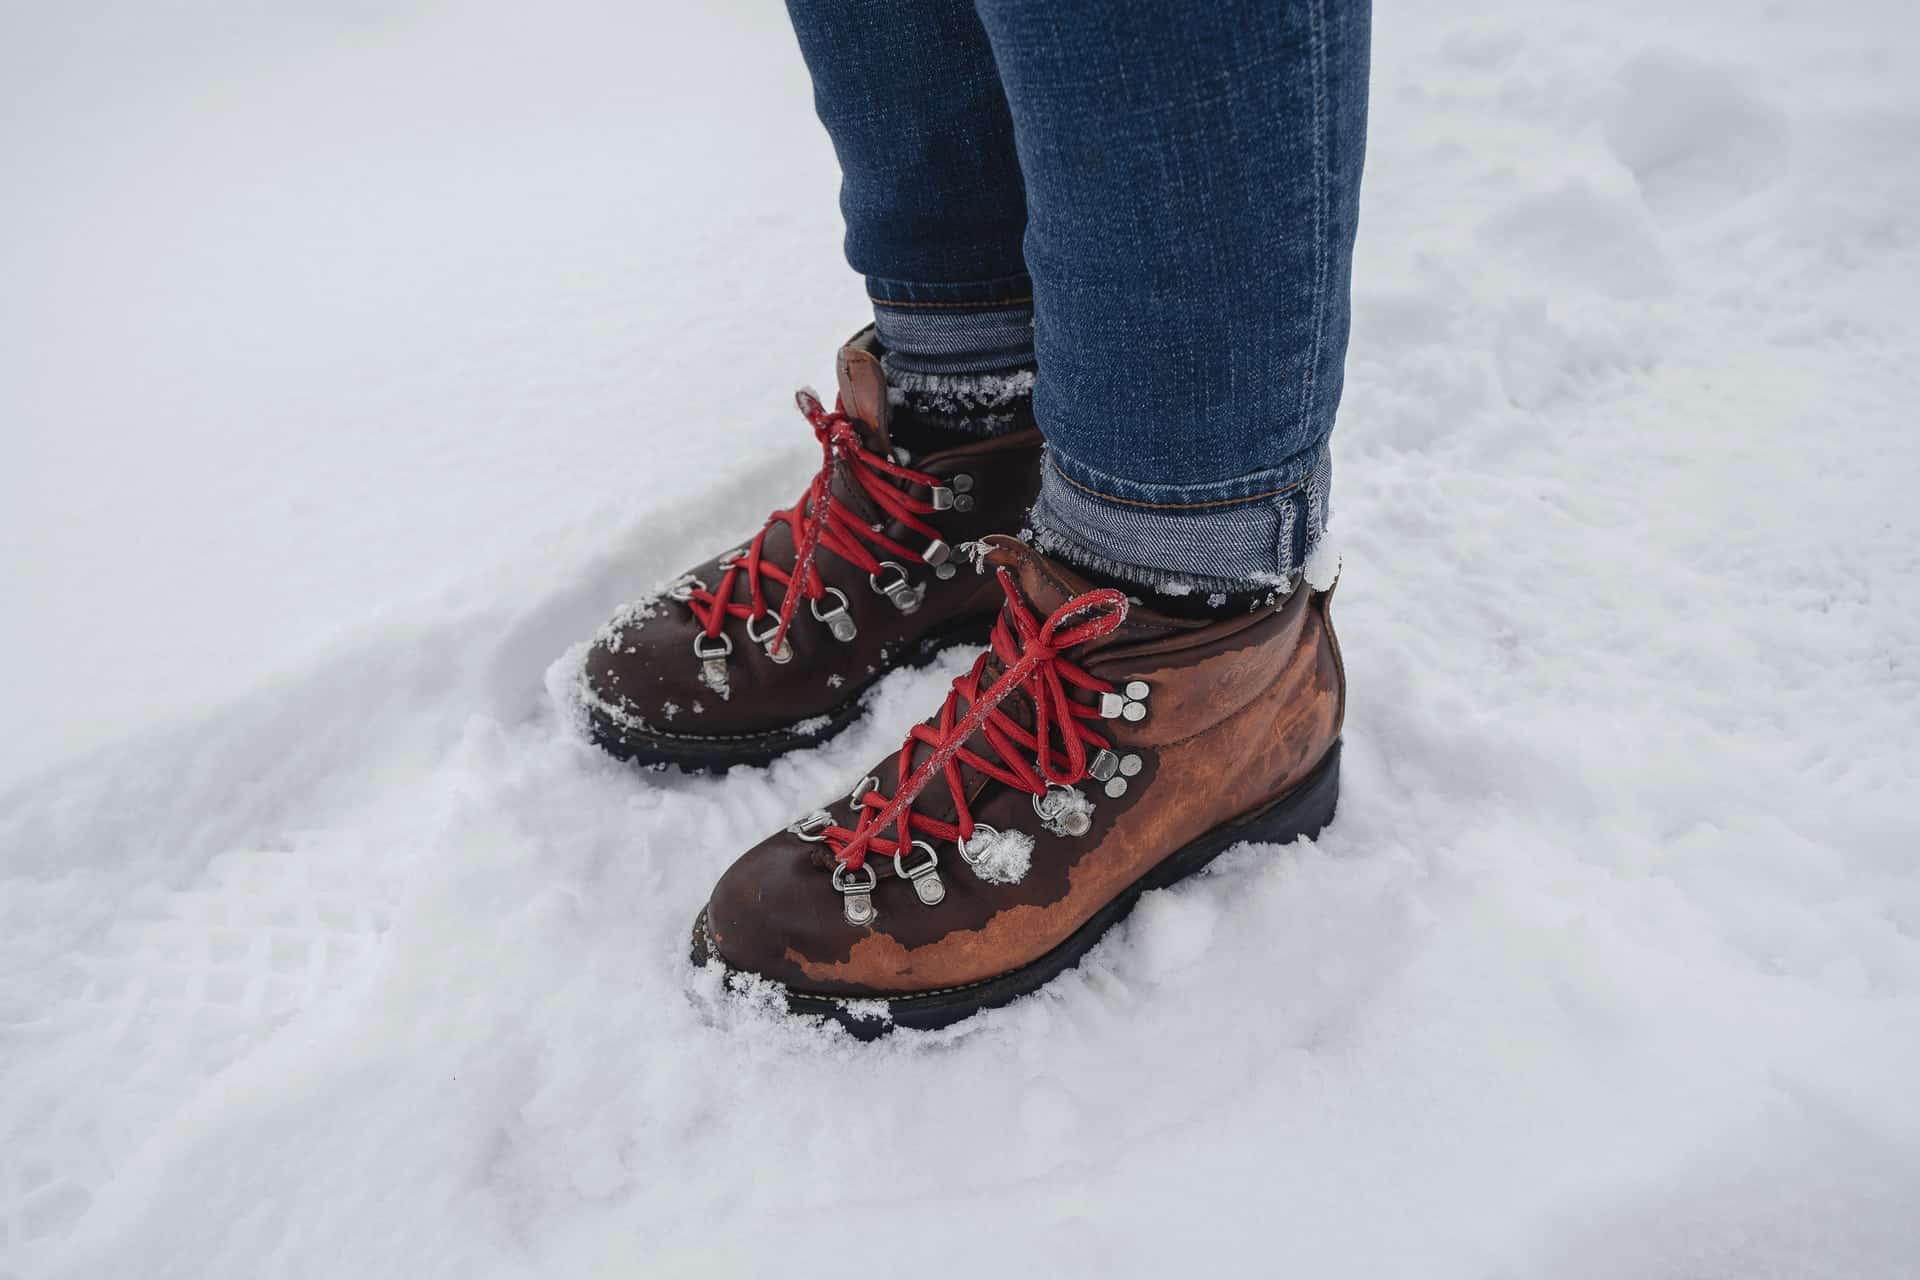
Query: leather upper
{"points": [[1238, 712], [642, 672]]}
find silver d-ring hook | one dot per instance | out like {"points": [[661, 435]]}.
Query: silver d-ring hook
{"points": [[899, 588], [925, 878], [783, 654], [939, 557], [838, 620], [813, 827], [982, 836], [713, 652], [1064, 811], [857, 897]]}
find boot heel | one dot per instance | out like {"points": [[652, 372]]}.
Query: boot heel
{"points": [[1304, 811]]}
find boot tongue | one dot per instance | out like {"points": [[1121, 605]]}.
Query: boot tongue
{"points": [[1046, 584], [863, 398], [863, 390]]}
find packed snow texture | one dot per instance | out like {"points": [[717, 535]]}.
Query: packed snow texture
{"points": [[357, 359]]}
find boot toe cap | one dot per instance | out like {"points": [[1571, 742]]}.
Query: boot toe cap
{"points": [[775, 911]]}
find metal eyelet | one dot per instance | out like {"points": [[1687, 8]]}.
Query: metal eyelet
{"points": [[962, 493], [813, 827], [939, 556], [905, 596], [1059, 815], [860, 789], [737, 554], [1114, 771], [781, 655], [683, 587], [1128, 703], [838, 620], [857, 899], [925, 878]]}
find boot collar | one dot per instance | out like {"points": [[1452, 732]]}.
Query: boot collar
{"points": [[1047, 584]]}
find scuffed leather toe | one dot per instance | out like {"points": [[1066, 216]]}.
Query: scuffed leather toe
{"points": [[753, 916]]}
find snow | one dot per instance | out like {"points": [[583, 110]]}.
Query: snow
{"points": [[1004, 857], [813, 725], [960, 393], [358, 360], [1066, 807]]}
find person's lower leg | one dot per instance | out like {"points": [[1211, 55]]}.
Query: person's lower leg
{"points": [[1192, 180], [934, 205]]}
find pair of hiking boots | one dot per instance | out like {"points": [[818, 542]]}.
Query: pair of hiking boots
{"points": [[1097, 749]]}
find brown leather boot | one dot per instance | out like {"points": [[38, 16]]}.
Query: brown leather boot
{"points": [[732, 666], [1095, 752]]}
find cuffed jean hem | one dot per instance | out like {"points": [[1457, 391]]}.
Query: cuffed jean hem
{"points": [[1004, 291], [955, 336], [1252, 531]]}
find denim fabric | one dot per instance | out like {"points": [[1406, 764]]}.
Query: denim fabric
{"points": [[1226, 546], [1191, 178], [956, 340], [929, 183]]}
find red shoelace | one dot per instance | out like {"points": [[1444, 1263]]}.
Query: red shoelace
{"points": [[819, 523], [1054, 751]]}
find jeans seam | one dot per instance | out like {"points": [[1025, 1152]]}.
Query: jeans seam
{"points": [[985, 304], [1316, 58], [1207, 504]]}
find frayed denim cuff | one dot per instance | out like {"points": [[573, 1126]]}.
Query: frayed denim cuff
{"points": [[1254, 530]]}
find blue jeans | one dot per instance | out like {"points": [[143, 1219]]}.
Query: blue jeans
{"points": [[1169, 191]]}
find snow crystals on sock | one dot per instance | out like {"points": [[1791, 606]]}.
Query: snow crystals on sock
{"points": [[958, 393]]}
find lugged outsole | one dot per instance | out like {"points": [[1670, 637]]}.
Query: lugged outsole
{"points": [[1304, 811]]}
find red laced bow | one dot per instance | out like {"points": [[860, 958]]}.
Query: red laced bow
{"points": [[819, 523], [1055, 751]]}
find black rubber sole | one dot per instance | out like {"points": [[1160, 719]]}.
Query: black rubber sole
{"points": [[1304, 811], [717, 755]]}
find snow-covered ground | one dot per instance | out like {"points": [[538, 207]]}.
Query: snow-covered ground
{"points": [[357, 358]]}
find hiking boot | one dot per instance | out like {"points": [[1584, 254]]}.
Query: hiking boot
{"points": [[771, 646], [1097, 750]]}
